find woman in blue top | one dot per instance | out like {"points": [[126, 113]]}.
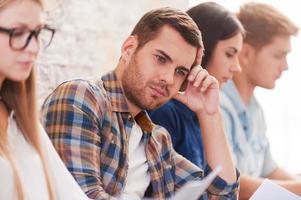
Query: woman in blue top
{"points": [[222, 37]]}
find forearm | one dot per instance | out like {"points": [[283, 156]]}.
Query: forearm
{"points": [[96, 192], [286, 180], [216, 148], [292, 185], [218, 189], [281, 174], [248, 185]]}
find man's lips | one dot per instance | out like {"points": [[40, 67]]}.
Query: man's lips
{"points": [[158, 91]]}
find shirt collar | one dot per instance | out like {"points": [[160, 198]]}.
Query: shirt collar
{"points": [[144, 121], [232, 93], [115, 92]]}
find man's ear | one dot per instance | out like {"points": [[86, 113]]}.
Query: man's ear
{"points": [[129, 47], [246, 54]]}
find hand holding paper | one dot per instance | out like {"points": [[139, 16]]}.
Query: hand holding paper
{"points": [[194, 189]]}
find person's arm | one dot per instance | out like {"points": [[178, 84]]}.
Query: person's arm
{"points": [[286, 180], [72, 116], [249, 184], [186, 171], [65, 185], [281, 174], [202, 97], [271, 171], [217, 151]]}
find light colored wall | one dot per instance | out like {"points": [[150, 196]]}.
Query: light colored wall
{"points": [[88, 38]]}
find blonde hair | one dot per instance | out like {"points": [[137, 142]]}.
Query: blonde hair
{"points": [[20, 97], [263, 22]]}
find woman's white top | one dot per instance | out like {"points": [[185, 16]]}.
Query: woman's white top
{"points": [[30, 170]]}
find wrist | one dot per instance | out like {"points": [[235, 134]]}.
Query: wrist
{"points": [[206, 112]]}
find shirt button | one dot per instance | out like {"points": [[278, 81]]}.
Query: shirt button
{"points": [[168, 166], [130, 118]]}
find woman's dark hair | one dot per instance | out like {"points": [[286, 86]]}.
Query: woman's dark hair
{"points": [[215, 23]]}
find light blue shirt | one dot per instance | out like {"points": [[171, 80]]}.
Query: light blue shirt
{"points": [[246, 130]]}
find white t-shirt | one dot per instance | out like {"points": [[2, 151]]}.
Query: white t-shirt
{"points": [[138, 178], [30, 170]]}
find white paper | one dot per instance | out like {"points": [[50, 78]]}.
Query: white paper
{"points": [[271, 191], [192, 190]]}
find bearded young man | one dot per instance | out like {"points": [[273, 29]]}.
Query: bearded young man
{"points": [[104, 135]]}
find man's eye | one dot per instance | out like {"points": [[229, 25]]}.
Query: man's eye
{"points": [[160, 59], [181, 72]]}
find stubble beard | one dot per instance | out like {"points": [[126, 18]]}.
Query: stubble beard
{"points": [[134, 87]]}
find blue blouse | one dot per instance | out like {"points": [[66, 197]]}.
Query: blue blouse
{"points": [[183, 126]]}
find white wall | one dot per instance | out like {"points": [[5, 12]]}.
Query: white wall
{"points": [[283, 104]]}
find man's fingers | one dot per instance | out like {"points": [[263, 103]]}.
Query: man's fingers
{"points": [[197, 75], [209, 82], [199, 56]]}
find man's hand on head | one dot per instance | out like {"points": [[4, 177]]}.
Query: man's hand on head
{"points": [[202, 92]]}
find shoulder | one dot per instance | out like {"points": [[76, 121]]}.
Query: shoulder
{"points": [[229, 97], [167, 108], [168, 116], [169, 111], [80, 87], [77, 96], [225, 100], [227, 106], [77, 91]]}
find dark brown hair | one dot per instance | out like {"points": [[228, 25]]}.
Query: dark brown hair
{"points": [[151, 23], [215, 23]]}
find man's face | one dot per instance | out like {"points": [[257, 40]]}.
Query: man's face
{"points": [[155, 72], [266, 65]]}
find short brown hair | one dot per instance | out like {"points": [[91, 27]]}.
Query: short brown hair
{"points": [[263, 22], [151, 23]]}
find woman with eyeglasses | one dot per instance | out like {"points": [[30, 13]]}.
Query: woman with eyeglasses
{"points": [[29, 166]]}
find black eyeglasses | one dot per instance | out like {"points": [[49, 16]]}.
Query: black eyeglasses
{"points": [[19, 38]]}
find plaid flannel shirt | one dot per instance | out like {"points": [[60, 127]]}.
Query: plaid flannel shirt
{"points": [[89, 124]]}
